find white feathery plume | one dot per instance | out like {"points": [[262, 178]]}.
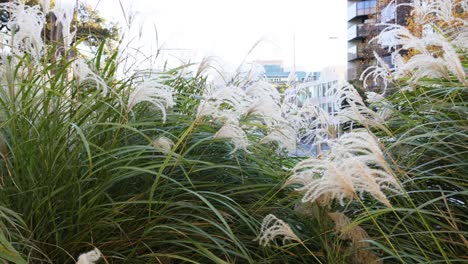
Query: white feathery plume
{"points": [[291, 78], [451, 58], [317, 124], [290, 111], [385, 109], [163, 144], [428, 65], [89, 257], [289, 102], [461, 39], [273, 227], [353, 166], [423, 65], [268, 109], [326, 125], [264, 101], [297, 122], [45, 6], [443, 10], [232, 131], [243, 76], [420, 10], [380, 71], [373, 97], [312, 123], [261, 89], [82, 73], [63, 11], [357, 111], [398, 37], [27, 22], [226, 103], [153, 90], [284, 135], [430, 62]]}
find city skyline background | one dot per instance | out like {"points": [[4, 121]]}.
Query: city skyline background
{"points": [[309, 34]]}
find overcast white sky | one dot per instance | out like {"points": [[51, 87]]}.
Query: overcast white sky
{"points": [[228, 29]]}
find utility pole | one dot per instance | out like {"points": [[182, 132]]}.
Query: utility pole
{"points": [[294, 60], [294, 52]]}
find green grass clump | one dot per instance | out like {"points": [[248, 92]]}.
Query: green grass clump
{"points": [[78, 171]]}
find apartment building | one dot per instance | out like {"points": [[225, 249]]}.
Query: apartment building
{"points": [[366, 19]]}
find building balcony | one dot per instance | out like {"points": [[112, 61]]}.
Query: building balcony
{"points": [[363, 31], [358, 31], [363, 8], [365, 51], [356, 52]]}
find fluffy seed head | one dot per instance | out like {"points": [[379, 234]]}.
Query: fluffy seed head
{"points": [[231, 130], [82, 73], [357, 235], [354, 165], [273, 227], [225, 103], [153, 90], [27, 23], [63, 11], [163, 144], [89, 257], [284, 135]]}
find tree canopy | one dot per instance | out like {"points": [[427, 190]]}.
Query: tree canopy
{"points": [[90, 26]]}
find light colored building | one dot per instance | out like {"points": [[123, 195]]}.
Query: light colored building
{"points": [[276, 74], [321, 91]]}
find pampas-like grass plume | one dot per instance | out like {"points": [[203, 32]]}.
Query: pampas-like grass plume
{"points": [[89, 257], [163, 144], [284, 135], [63, 11], [273, 227], [226, 103], [263, 89], [27, 23], [354, 165], [373, 97], [380, 71], [267, 109], [324, 125], [231, 130], [152, 90], [438, 50], [82, 73], [45, 6], [357, 111], [346, 230]]}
